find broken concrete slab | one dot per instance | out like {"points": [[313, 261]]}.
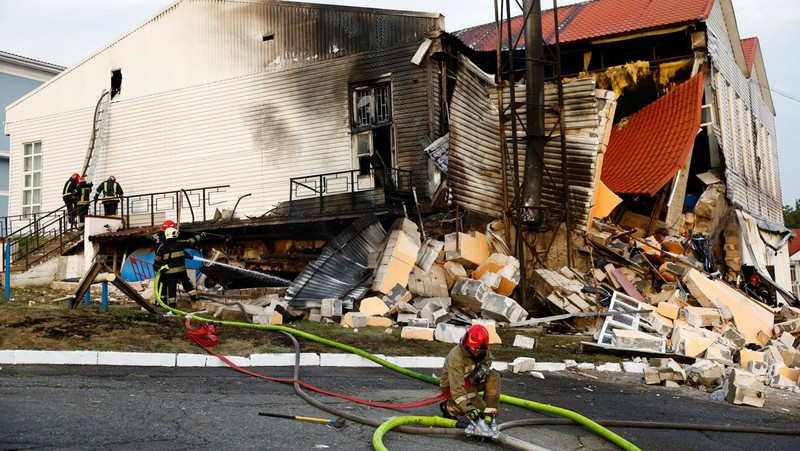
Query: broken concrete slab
{"points": [[354, 320], [468, 293], [448, 333], [373, 306], [748, 317], [701, 316], [417, 333], [521, 341], [634, 339], [453, 272], [428, 253], [429, 284], [522, 365], [501, 308], [469, 249], [742, 387]]}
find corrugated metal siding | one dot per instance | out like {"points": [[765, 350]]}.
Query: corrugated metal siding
{"points": [[202, 41], [475, 165], [734, 98], [252, 132]]}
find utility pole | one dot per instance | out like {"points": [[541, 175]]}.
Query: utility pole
{"points": [[534, 78]]}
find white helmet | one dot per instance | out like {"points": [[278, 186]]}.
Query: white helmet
{"points": [[171, 232]]}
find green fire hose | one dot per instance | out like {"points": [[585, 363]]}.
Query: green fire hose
{"points": [[531, 405]]}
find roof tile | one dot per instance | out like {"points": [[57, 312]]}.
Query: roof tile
{"points": [[646, 150]]}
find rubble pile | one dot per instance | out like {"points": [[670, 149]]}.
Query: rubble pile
{"points": [[667, 299]]}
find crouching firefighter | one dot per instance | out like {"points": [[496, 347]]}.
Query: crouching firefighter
{"points": [[171, 254], [467, 371]]}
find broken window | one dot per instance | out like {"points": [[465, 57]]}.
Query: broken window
{"points": [[372, 131], [116, 82], [31, 178]]}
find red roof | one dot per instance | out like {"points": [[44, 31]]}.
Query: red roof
{"points": [[594, 19], [794, 243], [646, 150], [749, 47]]}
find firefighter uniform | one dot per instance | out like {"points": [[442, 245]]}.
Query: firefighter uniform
{"points": [[84, 198], [459, 367], [171, 253], [69, 194], [112, 193]]}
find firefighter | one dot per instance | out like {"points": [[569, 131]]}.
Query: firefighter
{"points": [[467, 371], [171, 254], [70, 194], [84, 199], [112, 193]]}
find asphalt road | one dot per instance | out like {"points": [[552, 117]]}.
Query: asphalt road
{"points": [[89, 407]]}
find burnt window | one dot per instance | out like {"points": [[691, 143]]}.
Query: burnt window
{"points": [[116, 82], [372, 129]]}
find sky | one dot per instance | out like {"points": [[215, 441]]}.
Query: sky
{"points": [[65, 31]]}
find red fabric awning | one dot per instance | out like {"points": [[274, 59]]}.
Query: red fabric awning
{"points": [[648, 148]]}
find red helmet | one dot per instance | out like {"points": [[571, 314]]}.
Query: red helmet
{"points": [[476, 338], [167, 224], [81, 180], [75, 176]]}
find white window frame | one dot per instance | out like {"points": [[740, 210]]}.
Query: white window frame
{"points": [[31, 178]]}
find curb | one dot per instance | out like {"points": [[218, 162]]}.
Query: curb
{"points": [[307, 359]]}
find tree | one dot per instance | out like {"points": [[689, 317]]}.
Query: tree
{"points": [[791, 216]]}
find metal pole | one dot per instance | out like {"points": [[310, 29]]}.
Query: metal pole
{"points": [[87, 299], [563, 131], [8, 269], [105, 296], [534, 100]]}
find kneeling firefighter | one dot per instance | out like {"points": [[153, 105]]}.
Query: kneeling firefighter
{"points": [[467, 371]]}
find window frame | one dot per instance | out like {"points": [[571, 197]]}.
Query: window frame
{"points": [[31, 201], [378, 94]]}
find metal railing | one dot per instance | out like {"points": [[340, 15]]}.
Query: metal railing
{"points": [[36, 237], [320, 185]]}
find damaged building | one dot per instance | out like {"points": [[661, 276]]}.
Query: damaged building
{"points": [[375, 166]]}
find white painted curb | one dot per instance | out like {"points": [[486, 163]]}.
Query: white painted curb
{"points": [[307, 359]]}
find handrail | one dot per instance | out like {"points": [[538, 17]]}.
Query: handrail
{"points": [[43, 229], [319, 185]]}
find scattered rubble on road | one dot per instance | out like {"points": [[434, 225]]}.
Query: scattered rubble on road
{"points": [[658, 297]]}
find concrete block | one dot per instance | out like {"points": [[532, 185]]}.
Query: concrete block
{"points": [[191, 360], [634, 339], [701, 316], [354, 320], [789, 312], [428, 253], [634, 367], [213, 361], [733, 335], [373, 306], [405, 318], [705, 373], [448, 333], [379, 321], [522, 365], [521, 341], [7, 357], [652, 376], [397, 294], [428, 284], [787, 326], [742, 387], [454, 271], [419, 322], [467, 294], [746, 355], [490, 278], [394, 271], [501, 308], [407, 307], [668, 310], [471, 250], [420, 303], [273, 318], [417, 333]]}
